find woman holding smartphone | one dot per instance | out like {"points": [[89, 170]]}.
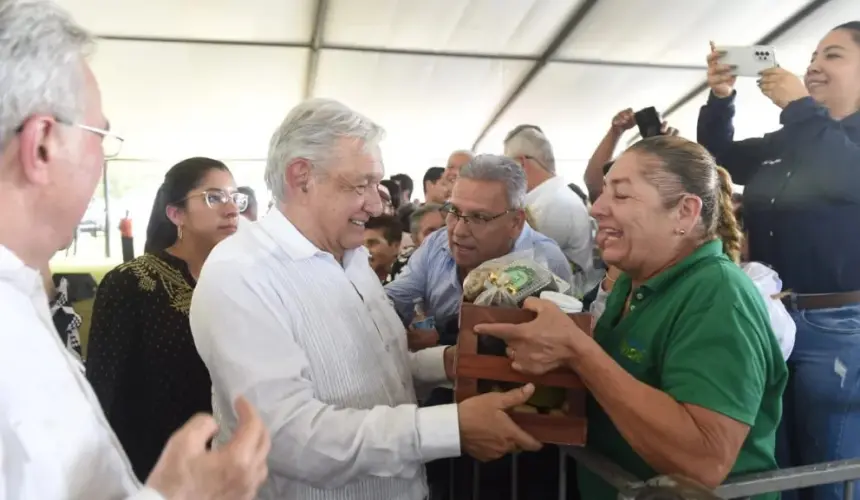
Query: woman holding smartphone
{"points": [[802, 207]]}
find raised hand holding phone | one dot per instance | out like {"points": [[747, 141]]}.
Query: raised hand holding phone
{"points": [[721, 79]]}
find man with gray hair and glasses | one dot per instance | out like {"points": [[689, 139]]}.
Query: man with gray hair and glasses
{"points": [[55, 442], [485, 220], [289, 313], [557, 211]]}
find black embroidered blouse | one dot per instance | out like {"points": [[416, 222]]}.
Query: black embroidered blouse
{"points": [[141, 358]]}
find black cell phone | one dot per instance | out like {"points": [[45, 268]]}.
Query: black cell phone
{"points": [[648, 121]]}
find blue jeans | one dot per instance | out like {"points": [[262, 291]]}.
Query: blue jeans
{"points": [[821, 405]]}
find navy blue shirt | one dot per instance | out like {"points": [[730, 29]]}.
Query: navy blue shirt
{"points": [[802, 192]]}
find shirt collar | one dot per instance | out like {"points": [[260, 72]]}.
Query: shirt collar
{"points": [[14, 271], [287, 236], [665, 279], [546, 187]]}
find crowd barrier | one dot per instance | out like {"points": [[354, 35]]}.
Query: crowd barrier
{"points": [[679, 488]]}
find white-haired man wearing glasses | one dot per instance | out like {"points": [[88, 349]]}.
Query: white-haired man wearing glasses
{"points": [[54, 439], [289, 313]]}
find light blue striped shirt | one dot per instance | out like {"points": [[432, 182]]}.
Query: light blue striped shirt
{"points": [[431, 274]]}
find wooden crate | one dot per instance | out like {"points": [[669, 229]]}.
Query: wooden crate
{"points": [[567, 429]]}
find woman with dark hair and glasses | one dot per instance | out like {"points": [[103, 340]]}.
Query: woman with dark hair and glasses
{"points": [[142, 362], [801, 206]]}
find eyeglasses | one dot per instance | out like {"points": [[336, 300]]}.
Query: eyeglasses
{"points": [[532, 158], [215, 198], [111, 143], [361, 190], [452, 216], [385, 197]]}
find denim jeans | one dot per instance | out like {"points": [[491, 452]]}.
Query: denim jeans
{"points": [[821, 405]]}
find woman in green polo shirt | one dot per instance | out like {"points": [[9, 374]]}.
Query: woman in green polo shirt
{"points": [[684, 373]]}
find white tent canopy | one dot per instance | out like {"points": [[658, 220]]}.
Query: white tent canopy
{"points": [[215, 77]]}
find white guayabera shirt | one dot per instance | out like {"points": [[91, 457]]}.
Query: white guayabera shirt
{"points": [[318, 349], [55, 442]]}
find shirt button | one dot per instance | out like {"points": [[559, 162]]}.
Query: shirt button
{"points": [[771, 233], [633, 307], [639, 296], [772, 200], [788, 174]]}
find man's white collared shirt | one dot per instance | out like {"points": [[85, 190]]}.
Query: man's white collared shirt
{"points": [[55, 442], [318, 349], [560, 214]]}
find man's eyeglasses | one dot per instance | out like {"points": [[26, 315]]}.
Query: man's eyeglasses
{"points": [[452, 215], [215, 198], [111, 143]]}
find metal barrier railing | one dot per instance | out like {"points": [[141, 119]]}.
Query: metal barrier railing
{"points": [[794, 478], [744, 487], [673, 487], [679, 488]]}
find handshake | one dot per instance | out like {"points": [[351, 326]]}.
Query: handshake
{"points": [[487, 431]]}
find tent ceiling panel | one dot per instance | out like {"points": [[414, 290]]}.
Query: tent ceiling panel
{"points": [[246, 20], [672, 31], [175, 100], [521, 27], [755, 114], [796, 46], [574, 104], [429, 106]]}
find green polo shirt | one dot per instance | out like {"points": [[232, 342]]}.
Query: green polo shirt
{"points": [[699, 332]]}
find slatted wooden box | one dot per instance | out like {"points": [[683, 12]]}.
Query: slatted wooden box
{"points": [[567, 428]]}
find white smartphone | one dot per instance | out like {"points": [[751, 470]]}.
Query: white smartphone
{"points": [[748, 61]]}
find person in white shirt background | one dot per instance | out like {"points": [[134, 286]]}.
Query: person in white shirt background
{"points": [[289, 313], [54, 440], [556, 210]]}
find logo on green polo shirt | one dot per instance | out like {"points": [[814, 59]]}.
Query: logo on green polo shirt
{"points": [[631, 350]]}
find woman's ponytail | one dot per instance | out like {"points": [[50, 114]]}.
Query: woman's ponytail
{"points": [[161, 233], [727, 226]]}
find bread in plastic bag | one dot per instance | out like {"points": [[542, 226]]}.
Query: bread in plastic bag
{"points": [[509, 280]]}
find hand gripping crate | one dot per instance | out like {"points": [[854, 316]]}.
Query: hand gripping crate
{"points": [[566, 425]]}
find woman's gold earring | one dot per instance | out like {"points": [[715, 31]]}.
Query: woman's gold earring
{"points": [[178, 233], [682, 232]]}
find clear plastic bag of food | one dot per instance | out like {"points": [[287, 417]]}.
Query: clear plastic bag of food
{"points": [[509, 280], [479, 278]]}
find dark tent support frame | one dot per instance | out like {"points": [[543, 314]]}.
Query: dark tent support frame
{"points": [[573, 21]]}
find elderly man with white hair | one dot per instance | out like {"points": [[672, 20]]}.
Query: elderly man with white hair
{"points": [[55, 442], [557, 211], [289, 313]]}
